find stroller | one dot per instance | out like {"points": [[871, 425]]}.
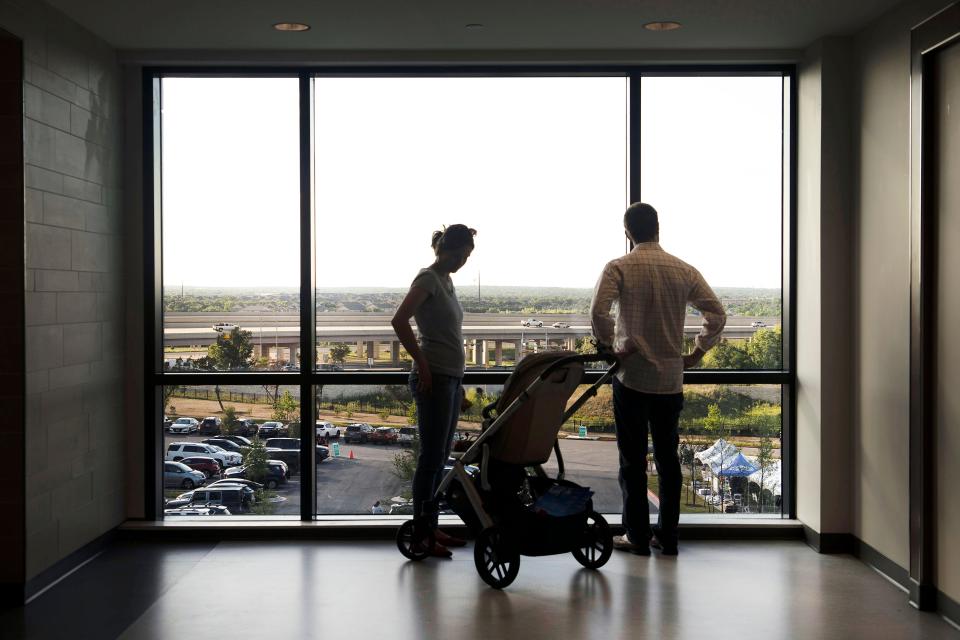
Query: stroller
{"points": [[498, 486]]}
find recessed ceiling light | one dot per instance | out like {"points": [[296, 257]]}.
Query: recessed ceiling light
{"points": [[662, 26], [473, 26], [291, 26]]}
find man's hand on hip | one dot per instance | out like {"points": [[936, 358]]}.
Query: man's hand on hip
{"points": [[692, 359]]}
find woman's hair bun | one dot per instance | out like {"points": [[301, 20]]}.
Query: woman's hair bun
{"points": [[453, 237]]}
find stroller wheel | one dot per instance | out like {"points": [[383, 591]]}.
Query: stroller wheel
{"points": [[596, 545], [497, 560], [413, 539]]}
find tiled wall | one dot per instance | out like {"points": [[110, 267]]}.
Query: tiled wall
{"points": [[74, 293]]}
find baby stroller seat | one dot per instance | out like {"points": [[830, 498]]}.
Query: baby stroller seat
{"points": [[512, 506]]}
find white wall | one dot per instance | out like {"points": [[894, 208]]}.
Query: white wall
{"points": [[74, 299]]}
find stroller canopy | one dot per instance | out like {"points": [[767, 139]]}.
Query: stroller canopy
{"points": [[527, 437]]}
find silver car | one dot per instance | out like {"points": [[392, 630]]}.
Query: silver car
{"points": [[177, 475]]}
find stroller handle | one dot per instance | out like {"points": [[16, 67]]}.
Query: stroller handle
{"points": [[608, 356]]}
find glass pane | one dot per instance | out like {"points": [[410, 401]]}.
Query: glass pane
{"points": [[718, 423], [712, 166], [231, 451], [536, 165], [231, 223]]}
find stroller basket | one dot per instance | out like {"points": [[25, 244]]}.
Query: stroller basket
{"points": [[512, 511]]}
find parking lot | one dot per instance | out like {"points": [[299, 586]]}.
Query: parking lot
{"points": [[350, 487]]}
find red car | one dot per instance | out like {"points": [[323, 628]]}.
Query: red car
{"points": [[208, 466], [384, 435]]}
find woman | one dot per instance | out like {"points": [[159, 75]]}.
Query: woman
{"points": [[438, 362]]}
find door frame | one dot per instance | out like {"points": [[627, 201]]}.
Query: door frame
{"points": [[927, 39]]}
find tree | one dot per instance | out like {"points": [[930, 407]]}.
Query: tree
{"points": [[766, 348], [285, 408], [765, 460], [339, 352], [727, 355], [256, 461], [229, 419], [717, 425], [231, 351]]}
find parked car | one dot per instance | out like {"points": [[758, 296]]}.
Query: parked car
{"points": [[220, 327], [244, 427], [239, 440], [384, 435], [462, 440], [276, 474], [177, 475], [236, 497], [210, 426], [401, 509], [407, 435], [290, 457], [358, 432], [254, 486], [226, 444], [184, 425], [561, 325], [205, 464], [758, 323], [272, 429], [181, 500], [282, 443], [214, 510], [166, 423], [327, 430], [322, 453], [289, 367], [180, 450], [531, 322]]}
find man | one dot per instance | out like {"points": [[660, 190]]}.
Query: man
{"points": [[651, 290]]}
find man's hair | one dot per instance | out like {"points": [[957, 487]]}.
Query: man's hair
{"points": [[641, 221]]}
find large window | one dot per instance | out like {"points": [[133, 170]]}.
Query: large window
{"points": [[290, 200]]}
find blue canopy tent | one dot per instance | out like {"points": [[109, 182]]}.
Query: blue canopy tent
{"points": [[738, 467]]}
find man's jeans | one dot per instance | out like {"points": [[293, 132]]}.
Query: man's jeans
{"points": [[633, 411], [437, 413]]}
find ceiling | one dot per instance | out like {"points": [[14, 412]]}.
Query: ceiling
{"points": [[438, 25]]}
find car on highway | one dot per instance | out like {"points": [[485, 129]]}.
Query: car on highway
{"points": [[358, 432], [384, 435], [177, 475], [327, 430], [205, 464], [210, 426], [177, 451], [220, 327], [272, 429], [531, 322], [561, 325], [184, 425], [407, 435], [758, 323]]}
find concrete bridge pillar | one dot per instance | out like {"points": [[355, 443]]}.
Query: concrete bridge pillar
{"points": [[498, 352], [479, 357], [370, 349], [395, 353]]}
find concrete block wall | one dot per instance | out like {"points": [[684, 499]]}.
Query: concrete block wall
{"points": [[74, 296]]}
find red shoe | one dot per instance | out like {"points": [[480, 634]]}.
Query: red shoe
{"points": [[435, 550], [448, 540]]}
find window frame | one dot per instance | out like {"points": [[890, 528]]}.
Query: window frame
{"points": [[308, 376]]}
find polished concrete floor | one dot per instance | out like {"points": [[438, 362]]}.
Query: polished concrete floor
{"points": [[359, 590]]}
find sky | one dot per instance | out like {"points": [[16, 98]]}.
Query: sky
{"points": [[537, 165]]}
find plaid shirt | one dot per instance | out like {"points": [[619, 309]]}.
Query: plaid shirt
{"points": [[642, 298]]}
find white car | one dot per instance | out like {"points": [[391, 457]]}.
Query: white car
{"points": [[758, 323], [185, 425], [531, 322], [327, 430], [561, 325], [179, 450], [224, 326]]}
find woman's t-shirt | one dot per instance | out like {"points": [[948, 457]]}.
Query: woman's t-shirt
{"points": [[440, 324]]}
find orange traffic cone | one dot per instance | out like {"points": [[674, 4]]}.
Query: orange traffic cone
{"points": [[351, 454]]}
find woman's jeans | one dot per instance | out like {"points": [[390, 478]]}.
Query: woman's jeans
{"points": [[437, 413]]}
